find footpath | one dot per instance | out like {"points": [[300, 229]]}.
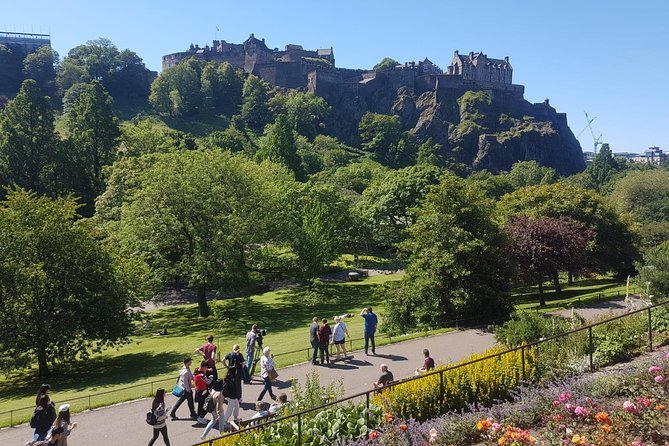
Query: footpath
{"points": [[124, 424]]}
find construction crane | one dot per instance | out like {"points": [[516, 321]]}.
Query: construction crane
{"points": [[597, 139]]}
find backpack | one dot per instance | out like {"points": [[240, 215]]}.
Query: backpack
{"points": [[151, 418], [209, 404]]}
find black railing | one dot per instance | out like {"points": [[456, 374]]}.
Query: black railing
{"points": [[367, 394]]}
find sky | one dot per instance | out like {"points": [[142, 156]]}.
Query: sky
{"points": [[609, 58]]}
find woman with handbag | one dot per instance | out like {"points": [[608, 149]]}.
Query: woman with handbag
{"points": [[160, 412], [268, 373]]}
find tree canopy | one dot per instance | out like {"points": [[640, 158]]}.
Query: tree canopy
{"points": [[386, 63]]}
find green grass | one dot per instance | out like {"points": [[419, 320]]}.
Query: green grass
{"points": [[286, 315]]}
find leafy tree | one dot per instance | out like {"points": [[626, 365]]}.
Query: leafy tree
{"points": [[10, 71], [654, 271], [333, 152], [69, 73], [95, 132], [71, 96], [388, 204], [458, 263], [279, 146], [382, 135], [530, 173], [201, 216], [543, 247], [63, 295], [129, 80], [255, 103], [221, 87], [150, 136], [643, 195], [428, 153], [355, 177], [604, 168], [27, 138], [41, 66], [614, 248], [321, 223], [385, 64], [305, 110], [177, 91]]}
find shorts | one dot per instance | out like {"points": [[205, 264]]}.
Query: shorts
{"points": [[339, 342]]}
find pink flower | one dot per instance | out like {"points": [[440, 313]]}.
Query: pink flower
{"points": [[496, 427], [666, 355], [581, 411], [659, 378], [570, 407], [637, 443], [630, 407], [654, 369], [645, 402], [566, 396], [556, 403]]}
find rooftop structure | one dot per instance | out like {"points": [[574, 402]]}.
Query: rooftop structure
{"points": [[25, 43]]}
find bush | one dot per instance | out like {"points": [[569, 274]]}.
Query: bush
{"points": [[530, 327], [618, 340]]}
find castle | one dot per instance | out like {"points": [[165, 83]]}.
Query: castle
{"points": [[24, 43], [315, 70]]}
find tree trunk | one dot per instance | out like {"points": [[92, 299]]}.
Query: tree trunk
{"points": [[556, 282], [542, 298], [570, 280], [42, 362], [202, 301]]}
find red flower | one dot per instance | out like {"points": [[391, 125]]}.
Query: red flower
{"points": [[374, 435], [403, 427]]}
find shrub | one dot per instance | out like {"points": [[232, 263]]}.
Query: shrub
{"points": [[531, 326], [618, 340]]}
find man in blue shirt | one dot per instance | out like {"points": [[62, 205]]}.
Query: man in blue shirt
{"points": [[371, 321]]}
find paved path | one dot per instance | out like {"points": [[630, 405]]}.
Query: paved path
{"points": [[124, 424]]}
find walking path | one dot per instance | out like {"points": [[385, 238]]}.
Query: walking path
{"points": [[124, 424]]}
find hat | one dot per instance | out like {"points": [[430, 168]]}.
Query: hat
{"points": [[64, 408], [235, 348]]}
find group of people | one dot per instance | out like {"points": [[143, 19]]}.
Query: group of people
{"points": [[216, 397], [51, 429]]}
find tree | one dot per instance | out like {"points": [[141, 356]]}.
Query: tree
{"points": [[62, 293], [614, 249], [388, 204], [280, 147], [150, 136], [95, 132], [604, 168], [355, 177], [530, 173], [177, 91], [221, 87], [10, 71], [201, 216], [654, 271], [255, 103], [27, 138], [382, 135], [428, 153], [41, 66], [306, 111], [69, 73], [458, 262], [385, 64], [544, 247]]}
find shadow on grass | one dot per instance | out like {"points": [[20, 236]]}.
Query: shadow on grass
{"points": [[95, 372], [531, 295]]}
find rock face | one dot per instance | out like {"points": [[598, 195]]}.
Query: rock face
{"points": [[479, 128]]}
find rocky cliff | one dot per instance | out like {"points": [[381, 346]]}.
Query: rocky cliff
{"points": [[480, 128]]}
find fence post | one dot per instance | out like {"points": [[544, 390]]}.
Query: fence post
{"points": [[11, 418], [367, 414], [592, 367], [299, 429], [441, 390], [350, 345], [650, 331], [89, 401], [522, 359]]}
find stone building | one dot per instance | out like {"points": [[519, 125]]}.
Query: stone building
{"points": [[479, 67], [24, 43]]}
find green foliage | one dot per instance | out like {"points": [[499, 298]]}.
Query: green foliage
{"points": [[604, 168], [655, 270], [41, 67], [221, 87], [618, 340], [306, 111], [527, 327], [255, 103], [354, 177], [382, 135], [458, 265], [475, 107], [386, 64], [279, 145], [10, 71], [614, 248], [149, 135], [177, 91], [314, 394], [28, 142], [62, 295], [429, 153]]}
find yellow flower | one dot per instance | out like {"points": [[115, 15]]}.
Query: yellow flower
{"points": [[501, 441]]}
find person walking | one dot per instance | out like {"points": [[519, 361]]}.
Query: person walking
{"points": [[63, 422], [43, 418], [217, 414], [160, 411], [250, 352], [202, 378], [371, 322], [43, 390], [313, 332], [324, 334], [234, 362], [339, 334], [208, 352], [267, 367], [185, 381]]}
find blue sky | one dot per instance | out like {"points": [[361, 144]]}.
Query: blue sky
{"points": [[609, 58]]}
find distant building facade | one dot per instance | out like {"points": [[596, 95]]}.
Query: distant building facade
{"points": [[653, 155], [24, 43], [481, 68]]}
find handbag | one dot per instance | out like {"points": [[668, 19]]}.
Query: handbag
{"points": [[272, 374], [151, 418], [178, 391]]}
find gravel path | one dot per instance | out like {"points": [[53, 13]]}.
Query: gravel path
{"points": [[124, 424]]}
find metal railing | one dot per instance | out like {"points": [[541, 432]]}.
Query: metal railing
{"points": [[368, 394], [78, 404]]}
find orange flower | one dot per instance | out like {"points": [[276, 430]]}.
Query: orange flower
{"points": [[484, 425], [606, 428], [374, 435], [660, 407], [577, 439], [602, 417], [403, 427], [389, 417], [501, 441]]}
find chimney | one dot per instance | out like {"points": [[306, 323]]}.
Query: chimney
{"points": [[506, 59], [456, 53]]}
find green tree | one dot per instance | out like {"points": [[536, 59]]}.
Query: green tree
{"points": [[428, 153], [530, 173], [95, 132], [615, 249], [150, 136], [69, 73], [27, 138], [354, 177], [458, 262], [177, 91], [41, 66], [199, 215], [10, 71], [654, 271], [255, 103], [385, 64], [604, 168], [382, 135], [63, 295], [306, 111], [279, 146], [221, 87]]}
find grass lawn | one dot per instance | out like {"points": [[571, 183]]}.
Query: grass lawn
{"points": [[286, 315]]}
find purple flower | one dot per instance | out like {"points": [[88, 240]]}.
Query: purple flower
{"points": [[654, 369], [581, 411], [659, 378], [630, 407], [565, 397], [570, 407]]}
